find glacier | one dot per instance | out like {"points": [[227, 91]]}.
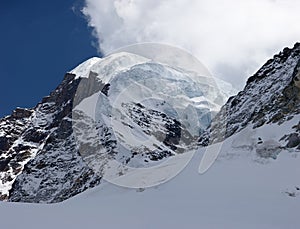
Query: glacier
{"points": [[151, 110]]}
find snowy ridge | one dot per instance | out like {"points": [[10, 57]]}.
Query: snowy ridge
{"points": [[82, 69], [270, 96], [111, 64]]}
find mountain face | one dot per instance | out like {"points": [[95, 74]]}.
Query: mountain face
{"points": [[271, 96], [39, 161], [60, 147], [108, 109], [145, 113]]}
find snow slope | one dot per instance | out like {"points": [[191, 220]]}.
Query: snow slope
{"points": [[240, 190]]}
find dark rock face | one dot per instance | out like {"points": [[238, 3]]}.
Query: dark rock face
{"points": [[39, 160], [4, 143], [270, 96], [55, 174], [151, 122], [293, 140]]}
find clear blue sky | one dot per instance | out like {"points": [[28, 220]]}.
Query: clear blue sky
{"points": [[40, 42]]}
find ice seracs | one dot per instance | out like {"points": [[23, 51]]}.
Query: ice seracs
{"points": [[150, 110]]}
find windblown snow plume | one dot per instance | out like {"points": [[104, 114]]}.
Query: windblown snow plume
{"points": [[231, 37]]}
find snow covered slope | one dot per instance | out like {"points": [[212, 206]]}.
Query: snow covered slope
{"points": [[270, 96], [239, 191]]}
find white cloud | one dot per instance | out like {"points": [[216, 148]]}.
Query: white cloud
{"points": [[232, 38]]}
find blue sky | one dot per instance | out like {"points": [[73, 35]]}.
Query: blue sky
{"points": [[40, 42]]}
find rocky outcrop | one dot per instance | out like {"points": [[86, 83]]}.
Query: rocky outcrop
{"points": [[39, 160], [270, 96]]}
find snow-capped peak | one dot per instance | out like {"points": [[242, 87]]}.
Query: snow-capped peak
{"points": [[109, 65], [83, 69]]}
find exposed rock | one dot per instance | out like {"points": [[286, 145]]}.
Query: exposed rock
{"points": [[270, 96], [21, 113], [45, 165], [293, 140]]}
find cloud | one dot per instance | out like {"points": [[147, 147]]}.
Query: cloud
{"points": [[233, 38]]}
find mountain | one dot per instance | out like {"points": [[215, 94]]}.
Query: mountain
{"points": [[128, 109], [271, 96], [38, 152], [59, 148]]}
